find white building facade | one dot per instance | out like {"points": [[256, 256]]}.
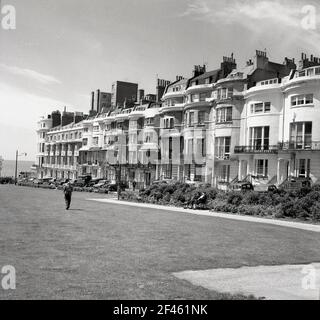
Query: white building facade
{"points": [[258, 124]]}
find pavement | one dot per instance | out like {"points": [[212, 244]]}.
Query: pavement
{"points": [[285, 282]]}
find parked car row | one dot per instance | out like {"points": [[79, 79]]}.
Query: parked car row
{"points": [[83, 184], [6, 180]]}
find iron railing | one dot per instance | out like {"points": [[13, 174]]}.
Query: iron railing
{"points": [[257, 149]]}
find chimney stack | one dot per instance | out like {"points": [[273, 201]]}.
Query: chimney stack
{"points": [[161, 87], [140, 95], [92, 100], [198, 70]]}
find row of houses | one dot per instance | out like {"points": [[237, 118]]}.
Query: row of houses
{"points": [[231, 124]]}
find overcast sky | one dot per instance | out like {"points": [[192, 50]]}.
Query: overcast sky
{"points": [[64, 49]]}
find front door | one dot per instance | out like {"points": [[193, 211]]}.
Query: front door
{"points": [[147, 178]]}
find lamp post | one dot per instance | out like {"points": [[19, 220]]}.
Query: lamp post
{"points": [[119, 173], [16, 168]]}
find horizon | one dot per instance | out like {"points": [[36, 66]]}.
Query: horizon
{"points": [[38, 76]]}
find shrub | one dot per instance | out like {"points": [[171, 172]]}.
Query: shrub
{"points": [[315, 212], [315, 187], [302, 204], [234, 198]]}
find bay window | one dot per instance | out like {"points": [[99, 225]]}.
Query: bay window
{"points": [[224, 93], [259, 138], [201, 117], [301, 135], [204, 96], [195, 97], [223, 147], [191, 119], [301, 100], [224, 115], [261, 107]]}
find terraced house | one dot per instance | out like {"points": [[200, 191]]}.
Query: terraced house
{"points": [[253, 123]]}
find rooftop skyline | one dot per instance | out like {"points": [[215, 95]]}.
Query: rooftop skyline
{"points": [[60, 52]]}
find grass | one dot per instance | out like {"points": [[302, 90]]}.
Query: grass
{"points": [[104, 251]]}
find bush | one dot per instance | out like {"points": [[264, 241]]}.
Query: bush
{"points": [[234, 198], [302, 204], [315, 212]]}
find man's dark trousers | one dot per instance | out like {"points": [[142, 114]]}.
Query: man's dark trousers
{"points": [[67, 198]]}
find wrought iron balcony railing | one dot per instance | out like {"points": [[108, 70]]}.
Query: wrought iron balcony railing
{"points": [[294, 145], [257, 149]]}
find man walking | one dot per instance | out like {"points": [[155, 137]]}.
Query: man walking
{"points": [[67, 190]]}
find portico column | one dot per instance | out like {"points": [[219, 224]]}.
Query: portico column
{"points": [[240, 170], [279, 178]]}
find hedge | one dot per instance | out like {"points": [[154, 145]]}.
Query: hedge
{"points": [[303, 204]]}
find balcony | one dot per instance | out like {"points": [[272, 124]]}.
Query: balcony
{"points": [[201, 87], [196, 104], [313, 146], [70, 153], [257, 149], [173, 107], [310, 72]]}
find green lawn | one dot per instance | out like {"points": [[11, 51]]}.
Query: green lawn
{"points": [[103, 251]]}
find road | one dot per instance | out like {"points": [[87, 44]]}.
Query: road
{"points": [[111, 251]]}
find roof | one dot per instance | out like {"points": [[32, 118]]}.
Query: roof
{"points": [[214, 74], [179, 82]]}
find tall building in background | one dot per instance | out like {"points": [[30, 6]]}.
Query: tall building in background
{"points": [[123, 93], [100, 100]]}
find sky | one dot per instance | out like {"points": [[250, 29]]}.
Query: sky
{"points": [[61, 50]]}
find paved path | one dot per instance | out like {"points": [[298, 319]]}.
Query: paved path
{"points": [[285, 282], [288, 224]]}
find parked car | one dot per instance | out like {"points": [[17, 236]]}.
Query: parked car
{"points": [[6, 180], [242, 186], [167, 181], [93, 182], [101, 183], [86, 178], [114, 186], [79, 183], [272, 188]]}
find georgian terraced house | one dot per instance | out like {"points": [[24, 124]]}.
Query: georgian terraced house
{"points": [[255, 123]]}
